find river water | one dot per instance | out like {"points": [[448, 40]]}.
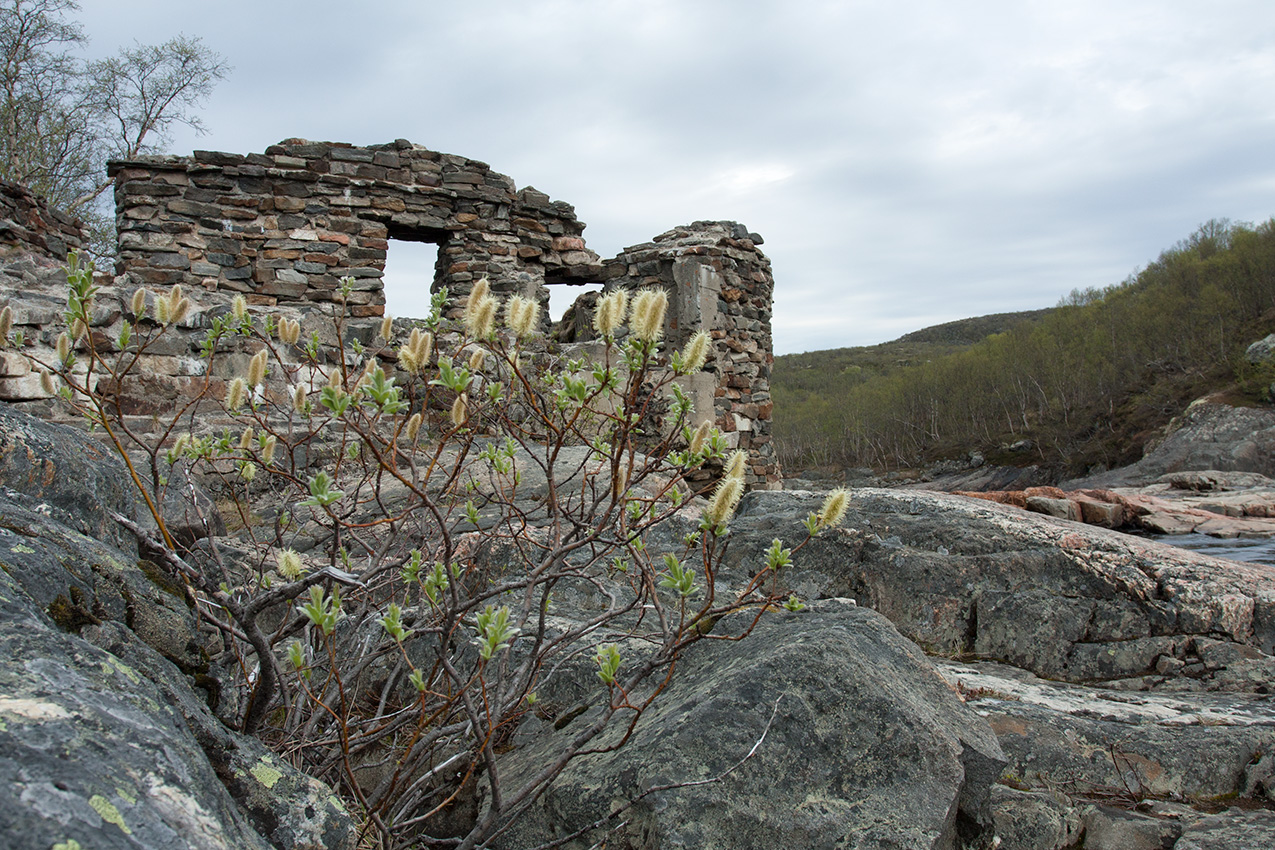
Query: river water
{"points": [[1254, 550]]}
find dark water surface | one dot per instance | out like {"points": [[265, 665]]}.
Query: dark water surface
{"points": [[1253, 550]]}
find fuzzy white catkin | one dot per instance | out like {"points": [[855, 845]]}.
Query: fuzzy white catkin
{"points": [[611, 311]]}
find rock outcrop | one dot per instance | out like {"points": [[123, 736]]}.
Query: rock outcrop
{"points": [[822, 729], [106, 734], [1129, 683], [1106, 687], [1210, 502], [963, 576], [1208, 435]]}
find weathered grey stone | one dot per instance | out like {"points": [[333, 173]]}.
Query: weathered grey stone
{"points": [[1108, 828], [1261, 351], [1231, 830], [90, 750], [962, 576], [1058, 508], [867, 748], [75, 476], [1033, 820], [1193, 747], [102, 739], [1209, 435]]}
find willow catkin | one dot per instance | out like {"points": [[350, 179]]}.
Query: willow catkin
{"points": [[647, 316], [611, 311]]}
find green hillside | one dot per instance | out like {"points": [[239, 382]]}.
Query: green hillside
{"points": [[1088, 382]]}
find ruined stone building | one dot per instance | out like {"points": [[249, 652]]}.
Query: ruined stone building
{"points": [[284, 226]]}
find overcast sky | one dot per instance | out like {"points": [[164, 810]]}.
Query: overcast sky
{"points": [[907, 162]]}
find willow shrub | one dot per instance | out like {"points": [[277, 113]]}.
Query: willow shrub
{"points": [[396, 620]]}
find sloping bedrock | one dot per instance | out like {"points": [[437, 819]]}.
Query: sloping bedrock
{"points": [[822, 729], [968, 578], [104, 738]]}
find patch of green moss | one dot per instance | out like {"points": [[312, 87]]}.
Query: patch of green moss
{"points": [[72, 614], [1012, 780]]}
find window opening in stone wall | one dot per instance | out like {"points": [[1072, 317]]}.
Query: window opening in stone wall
{"points": [[409, 274], [562, 297]]}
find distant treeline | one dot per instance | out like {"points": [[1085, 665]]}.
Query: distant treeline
{"points": [[1086, 382]]}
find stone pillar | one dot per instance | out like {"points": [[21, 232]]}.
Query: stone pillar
{"points": [[718, 280]]}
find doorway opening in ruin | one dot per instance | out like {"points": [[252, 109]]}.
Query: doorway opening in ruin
{"points": [[409, 275]]}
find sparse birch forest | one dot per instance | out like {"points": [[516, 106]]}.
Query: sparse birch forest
{"points": [[1087, 382]]}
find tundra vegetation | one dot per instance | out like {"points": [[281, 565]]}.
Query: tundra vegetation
{"points": [[436, 529], [1087, 383]]}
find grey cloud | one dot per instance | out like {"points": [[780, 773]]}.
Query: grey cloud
{"points": [[907, 163]]}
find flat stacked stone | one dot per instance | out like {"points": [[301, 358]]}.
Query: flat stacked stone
{"points": [[288, 224], [27, 222], [718, 280]]}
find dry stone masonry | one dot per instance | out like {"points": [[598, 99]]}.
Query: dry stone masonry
{"points": [[28, 224], [718, 280], [285, 226]]}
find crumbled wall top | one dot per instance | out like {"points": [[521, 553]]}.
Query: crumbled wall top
{"points": [[286, 225], [27, 223]]}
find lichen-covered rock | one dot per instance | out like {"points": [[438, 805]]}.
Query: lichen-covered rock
{"points": [[1183, 746], [864, 746], [91, 751], [102, 739], [1230, 830], [73, 477], [289, 808], [1034, 820], [963, 576], [1109, 828]]}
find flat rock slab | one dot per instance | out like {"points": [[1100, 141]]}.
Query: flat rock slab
{"points": [[967, 577], [1231, 830], [1093, 741]]}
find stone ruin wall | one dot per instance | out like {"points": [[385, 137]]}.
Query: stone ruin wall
{"points": [[283, 227], [28, 224]]}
